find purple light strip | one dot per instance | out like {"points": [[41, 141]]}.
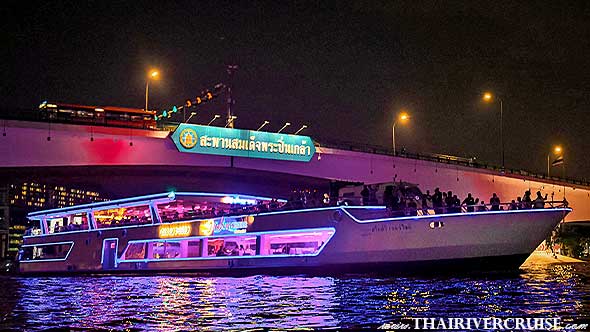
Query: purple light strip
{"points": [[436, 216]]}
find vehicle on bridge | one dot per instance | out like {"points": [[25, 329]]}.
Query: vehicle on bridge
{"points": [[98, 115], [230, 233]]}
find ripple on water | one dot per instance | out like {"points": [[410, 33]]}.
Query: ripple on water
{"points": [[173, 303]]}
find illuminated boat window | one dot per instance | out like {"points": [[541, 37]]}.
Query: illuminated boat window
{"points": [[135, 251], [243, 245], [205, 207], [162, 249], [297, 243], [68, 223], [232, 246], [125, 216], [44, 252]]}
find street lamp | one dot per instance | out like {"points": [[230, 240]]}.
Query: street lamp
{"points": [[153, 75], [262, 125], [287, 124], [488, 97], [217, 116], [230, 120], [557, 150], [300, 129], [402, 117], [189, 118]]}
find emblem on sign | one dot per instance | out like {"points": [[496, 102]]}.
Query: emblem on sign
{"points": [[188, 138]]}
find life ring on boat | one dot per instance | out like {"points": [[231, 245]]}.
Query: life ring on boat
{"points": [[337, 215]]}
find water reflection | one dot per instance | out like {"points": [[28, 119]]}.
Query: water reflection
{"points": [[177, 303]]}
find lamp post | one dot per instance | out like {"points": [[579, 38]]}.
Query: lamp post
{"points": [[557, 151], [230, 121], [262, 125], [300, 129], [287, 124], [217, 116], [489, 97], [402, 117], [189, 118], [152, 75]]}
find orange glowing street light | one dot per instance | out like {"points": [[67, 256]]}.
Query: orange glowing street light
{"points": [[558, 151], [403, 117], [488, 97], [153, 75]]}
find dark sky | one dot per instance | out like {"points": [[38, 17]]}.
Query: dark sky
{"points": [[343, 68]]}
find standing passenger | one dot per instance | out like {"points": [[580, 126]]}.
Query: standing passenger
{"points": [[470, 202], [539, 202], [365, 195], [495, 202]]}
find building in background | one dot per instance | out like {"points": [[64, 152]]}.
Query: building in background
{"points": [[18, 199], [4, 223]]}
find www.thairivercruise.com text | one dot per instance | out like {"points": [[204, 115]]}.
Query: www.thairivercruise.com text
{"points": [[487, 323]]}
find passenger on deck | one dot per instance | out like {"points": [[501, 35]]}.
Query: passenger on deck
{"points": [[527, 202], [495, 202], [470, 202], [425, 198], [539, 202], [241, 251], [456, 204], [437, 201], [388, 196], [412, 207], [373, 195], [518, 203], [513, 205], [365, 195], [481, 207]]}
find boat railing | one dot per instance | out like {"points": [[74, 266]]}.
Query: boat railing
{"points": [[405, 211], [509, 206]]}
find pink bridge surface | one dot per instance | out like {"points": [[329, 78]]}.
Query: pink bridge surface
{"points": [[26, 145]]}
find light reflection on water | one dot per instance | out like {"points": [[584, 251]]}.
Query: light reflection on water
{"points": [[176, 303]]}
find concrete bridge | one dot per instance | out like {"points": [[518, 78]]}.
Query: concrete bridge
{"points": [[132, 160]]}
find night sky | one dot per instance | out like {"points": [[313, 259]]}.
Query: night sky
{"points": [[342, 68]]}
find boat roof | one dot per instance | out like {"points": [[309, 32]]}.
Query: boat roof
{"points": [[149, 199]]}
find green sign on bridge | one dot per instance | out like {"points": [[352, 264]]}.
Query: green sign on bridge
{"points": [[242, 143]]}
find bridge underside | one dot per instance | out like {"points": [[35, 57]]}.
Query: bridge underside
{"points": [[124, 181]]}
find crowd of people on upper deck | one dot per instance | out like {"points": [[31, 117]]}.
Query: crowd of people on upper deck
{"points": [[399, 202]]}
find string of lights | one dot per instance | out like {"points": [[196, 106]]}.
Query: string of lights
{"points": [[203, 97]]}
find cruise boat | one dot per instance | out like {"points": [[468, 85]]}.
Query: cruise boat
{"points": [[230, 233]]}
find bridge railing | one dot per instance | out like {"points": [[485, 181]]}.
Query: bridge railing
{"points": [[450, 160]]}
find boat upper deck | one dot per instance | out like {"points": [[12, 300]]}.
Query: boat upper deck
{"points": [[149, 209]]}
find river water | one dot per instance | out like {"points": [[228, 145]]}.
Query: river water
{"points": [[180, 303]]}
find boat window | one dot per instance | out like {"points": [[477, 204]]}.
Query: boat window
{"points": [[297, 243], [232, 246], [135, 215], [291, 243], [189, 209], [70, 223], [46, 252], [163, 249], [135, 251]]}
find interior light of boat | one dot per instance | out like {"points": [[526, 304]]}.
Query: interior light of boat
{"points": [[206, 227], [237, 200]]}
